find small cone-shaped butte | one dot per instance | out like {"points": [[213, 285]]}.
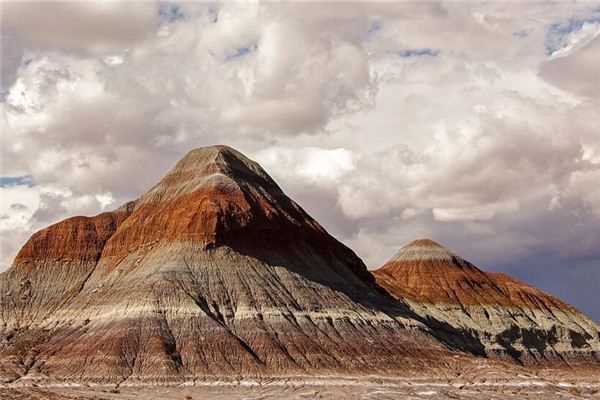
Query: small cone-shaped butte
{"points": [[506, 317]]}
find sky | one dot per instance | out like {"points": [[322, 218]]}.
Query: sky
{"points": [[474, 124]]}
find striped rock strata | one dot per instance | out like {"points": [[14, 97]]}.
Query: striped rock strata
{"points": [[213, 272], [488, 313]]}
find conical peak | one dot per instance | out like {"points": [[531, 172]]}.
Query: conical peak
{"points": [[220, 168], [214, 196], [218, 159], [203, 156], [423, 249], [424, 243]]}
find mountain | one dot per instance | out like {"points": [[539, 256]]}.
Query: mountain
{"points": [[214, 272], [490, 313]]}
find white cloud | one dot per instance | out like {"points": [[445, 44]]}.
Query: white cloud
{"points": [[17, 205], [311, 163], [105, 200], [475, 213]]}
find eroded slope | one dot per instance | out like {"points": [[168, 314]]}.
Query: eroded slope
{"points": [[502, 316], [213, 272]]}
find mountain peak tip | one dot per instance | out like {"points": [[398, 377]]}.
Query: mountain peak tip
{"points": [[221, 159], [421, 249], [219, 169], [207, 154], [423, 242], [212, 149]]}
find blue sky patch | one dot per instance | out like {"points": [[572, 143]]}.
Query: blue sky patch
{"points": [[557, 34], [170, 12], [407, 53], [241, 52], [12, 181], [376, 25]]}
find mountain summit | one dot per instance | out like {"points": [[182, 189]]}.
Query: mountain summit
{"points": [[423, 249], [500, 315], [213, 272], [425, 271]]}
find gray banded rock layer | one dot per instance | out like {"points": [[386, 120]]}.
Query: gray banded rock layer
{"points": [[213, 272], [490, 313]]}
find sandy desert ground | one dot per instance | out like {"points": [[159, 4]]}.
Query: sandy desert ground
{"points": [[527, 389]]}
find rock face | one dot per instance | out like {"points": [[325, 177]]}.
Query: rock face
{"points": [[488, 313], [213, 272]]}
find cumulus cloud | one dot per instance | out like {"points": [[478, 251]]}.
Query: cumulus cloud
{"points": [[90, 117], [472, 124], [88, 26], [312, 164]]}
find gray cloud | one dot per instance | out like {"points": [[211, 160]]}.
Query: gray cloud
{"points": [[18, 207], [578, 72], [96, 26]]}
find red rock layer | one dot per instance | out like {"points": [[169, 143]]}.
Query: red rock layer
{"points": [[53, 266], [436, 281], [77, 238], [438, 276], [498, 315]]}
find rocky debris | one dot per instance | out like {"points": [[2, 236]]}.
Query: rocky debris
{"points": [[488, 313], [516, 389], [213, 272]]}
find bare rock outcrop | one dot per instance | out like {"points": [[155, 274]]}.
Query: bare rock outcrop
{"points": [[213, 272], [488, 313]]}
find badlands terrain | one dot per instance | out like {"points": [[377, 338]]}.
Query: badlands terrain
{"points": [[215, 284], [501, 315]]}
